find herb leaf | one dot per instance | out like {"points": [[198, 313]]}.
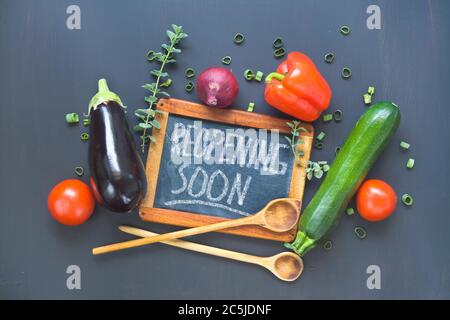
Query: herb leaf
{"points": [[147, 116]]}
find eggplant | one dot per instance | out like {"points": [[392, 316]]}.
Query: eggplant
{"points": [[117, 172]]}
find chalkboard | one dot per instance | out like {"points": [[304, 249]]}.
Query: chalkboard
{"points": [[209, 165]]}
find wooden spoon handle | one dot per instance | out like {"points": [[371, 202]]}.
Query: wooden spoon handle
{"points": [[196, 247], [177, 234]]}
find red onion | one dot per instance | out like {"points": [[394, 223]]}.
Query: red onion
{"points": [[217, 87]]}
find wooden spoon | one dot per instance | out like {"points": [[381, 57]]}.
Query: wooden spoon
{"points": [[278, 215], [287, 266]]}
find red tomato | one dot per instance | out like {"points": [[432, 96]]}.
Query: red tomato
{"points": [[71, 202], [376, 200]]}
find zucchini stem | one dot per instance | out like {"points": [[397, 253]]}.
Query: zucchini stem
{"points": [[302, 244]]}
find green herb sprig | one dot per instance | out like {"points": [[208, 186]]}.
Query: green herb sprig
{"points": [[295, 138], [147, 116]]}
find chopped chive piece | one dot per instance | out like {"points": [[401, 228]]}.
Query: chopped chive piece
{"points": [[86, 122], [167, 83], [189, 72], [360, 232], [337, 115], [249, 75], [371, 90], [84, 136], [318, 145], [329, 57], [72, 118], [328, 245], [251, 106], [327, 117], [278, 43], [226, 60], [79, 171], [318, 174], [320, 136], [410, 163], [407, 199], [336, 151], [345, 30], [189, 86], [346, 73], [350, 211], [239, 38], [280, 52], [259, 75], [404, 145], [367, 98]]}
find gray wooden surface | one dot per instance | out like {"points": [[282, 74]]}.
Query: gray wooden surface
{"points": [[48, 70]]}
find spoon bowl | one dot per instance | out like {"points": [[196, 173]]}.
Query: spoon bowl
{"points": [[281, 215], [287, 266]]}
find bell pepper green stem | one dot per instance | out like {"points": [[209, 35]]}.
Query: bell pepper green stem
{"points": [[274, 75]]}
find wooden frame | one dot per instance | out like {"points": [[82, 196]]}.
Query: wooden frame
{"points": [[233, 117]]}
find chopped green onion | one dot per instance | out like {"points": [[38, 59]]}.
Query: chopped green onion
{"points": [[329, 57], [345, 30], [86, 122], [404, 145], [320, 136], [367, 98], [72, 118], [328, 245], [327, 117], [337, 115], [278, 43], [189, 86], [360, 232], [280, 52], [407, 199], [249, 75], [251, 106], [350, 211], [189, 72], [167, 83], [84, 136], [410, 163], [318, 145], [239, 38], [336, 151], [371, 90], [226, 60], [79, 171], [346, 73], [326, 168], [318, 173], [258, 76]]}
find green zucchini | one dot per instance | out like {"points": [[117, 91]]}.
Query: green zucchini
{"points": [[364, 144]]}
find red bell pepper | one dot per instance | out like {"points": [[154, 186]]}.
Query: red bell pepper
{"points": [[298, 88]]}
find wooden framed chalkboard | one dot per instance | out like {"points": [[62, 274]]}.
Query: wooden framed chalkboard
{"points": [[208, 165]]}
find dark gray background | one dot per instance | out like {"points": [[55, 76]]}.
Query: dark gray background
{"points": [[48, 70]]}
